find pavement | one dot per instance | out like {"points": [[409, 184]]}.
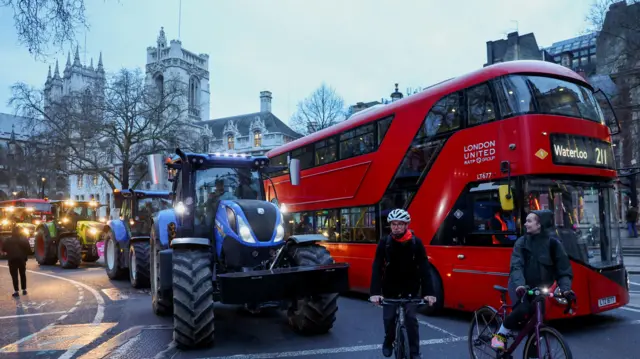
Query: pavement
{"points": [[82, 314]]}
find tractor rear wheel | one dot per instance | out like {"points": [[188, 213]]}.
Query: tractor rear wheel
{"points": [[314, 314], [192, 298], [70, 253]]}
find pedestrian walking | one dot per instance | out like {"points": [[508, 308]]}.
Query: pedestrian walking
{"points": [[632, 218], [17, 249]]}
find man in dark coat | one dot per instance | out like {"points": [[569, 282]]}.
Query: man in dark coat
{"points": [[17, 249], [538, 259]]}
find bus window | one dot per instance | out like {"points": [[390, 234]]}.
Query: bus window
{"points": [[327, 224], [358, 225], [564, 98], [514, 96], [480, 105], [303, 223], [445, 116], [357, 142], [326, 151]]}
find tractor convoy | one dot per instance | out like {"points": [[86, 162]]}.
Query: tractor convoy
{"points": [[126, 239], [223, 242]]}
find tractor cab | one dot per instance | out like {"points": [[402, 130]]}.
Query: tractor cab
{"points": [[138, 206]]}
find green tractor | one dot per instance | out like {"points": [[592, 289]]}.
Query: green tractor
{"points": [[71, 236]]}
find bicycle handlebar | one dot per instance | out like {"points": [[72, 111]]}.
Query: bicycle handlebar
{"points": [[544, 292], [403, 301]]}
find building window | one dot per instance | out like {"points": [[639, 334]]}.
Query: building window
{"points": [[194, 96], [80, 181], [95, 180], [257, 139], [230, 142]]}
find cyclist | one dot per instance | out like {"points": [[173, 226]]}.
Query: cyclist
{"points": [[538, 259], [400, 270]]}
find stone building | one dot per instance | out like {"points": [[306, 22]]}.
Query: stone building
{"points": [[515, 47], [253, 133]]}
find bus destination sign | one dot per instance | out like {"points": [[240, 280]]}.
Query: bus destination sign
{"points": [[581, 151]]}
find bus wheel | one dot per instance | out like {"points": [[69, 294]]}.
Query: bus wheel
{"points": [[436, 308], [315, 314]]}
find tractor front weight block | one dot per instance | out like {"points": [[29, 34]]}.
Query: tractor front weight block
{"points": [[283, 283], [166, 270]]}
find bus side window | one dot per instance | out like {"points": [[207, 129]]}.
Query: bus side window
{"points": [[480, 107], [303, 223]]}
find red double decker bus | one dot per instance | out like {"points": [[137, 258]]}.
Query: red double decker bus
{"points": [[468, 158]]}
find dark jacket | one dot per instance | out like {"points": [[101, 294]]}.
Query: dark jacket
{"points": [[17, 248], [406, 273], [531, 260]]}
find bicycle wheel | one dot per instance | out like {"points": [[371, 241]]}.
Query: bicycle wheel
{"points": [[548, 336], [484, 324], [402, 349]]}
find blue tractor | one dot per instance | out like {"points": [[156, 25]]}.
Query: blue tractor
{"points": [[223, 242], [126, 239]]}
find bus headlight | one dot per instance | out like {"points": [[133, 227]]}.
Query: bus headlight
{"points": [[244, 231], [279, 233]]}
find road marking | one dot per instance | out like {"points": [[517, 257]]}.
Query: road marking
{"points": [[634, 283], [31, 315], [437, 328], [340, 350], [630, 309], [123, 350], [96, 320]]}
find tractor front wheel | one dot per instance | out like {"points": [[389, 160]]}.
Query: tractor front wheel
{"points": [[69, 253], [192, 298], [139, 265], [44, 252], [314, 314]]}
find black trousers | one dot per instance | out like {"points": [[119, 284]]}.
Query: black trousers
{"points": [[410, 321], [18, 267]]}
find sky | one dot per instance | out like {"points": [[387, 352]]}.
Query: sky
{"points": [[359, 47]]}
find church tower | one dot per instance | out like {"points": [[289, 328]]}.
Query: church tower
{"points": [[75, 78], [171, 62]]}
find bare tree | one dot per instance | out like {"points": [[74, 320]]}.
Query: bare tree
{"points": [[41, 22], [323, 108], [109, 128]]}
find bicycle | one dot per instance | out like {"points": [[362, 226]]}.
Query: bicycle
{"points": [[401, 344], [534, 327]]}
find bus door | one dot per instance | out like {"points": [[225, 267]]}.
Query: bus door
{"points": [[489, 230]]}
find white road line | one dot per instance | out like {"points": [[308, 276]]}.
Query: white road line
{"points": [[630, 309], [634, 283], [340, 350], [30, 315], [437, 328], [80, 286]]}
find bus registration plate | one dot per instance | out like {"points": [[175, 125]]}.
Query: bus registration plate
{"points": [[606, 301]]}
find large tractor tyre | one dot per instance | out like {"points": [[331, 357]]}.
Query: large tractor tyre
{"points": [[139, 264], [161, 306], [111, 256], [44, 251], [436, 282], [192, 298], [315, 314], [70, 253]]}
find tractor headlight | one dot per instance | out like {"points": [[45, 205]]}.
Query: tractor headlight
{"points": [[65, 220], [279, 233], [5, 222], [244, 231], [180, 208], [93, 231], [25, 231]]}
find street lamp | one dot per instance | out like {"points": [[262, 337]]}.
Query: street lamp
{"points": [[43, 181]]}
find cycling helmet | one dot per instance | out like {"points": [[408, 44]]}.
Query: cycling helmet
{"points": [[399, 215]]}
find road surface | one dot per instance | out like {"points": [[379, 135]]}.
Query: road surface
{"points": [[82, 314]]}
